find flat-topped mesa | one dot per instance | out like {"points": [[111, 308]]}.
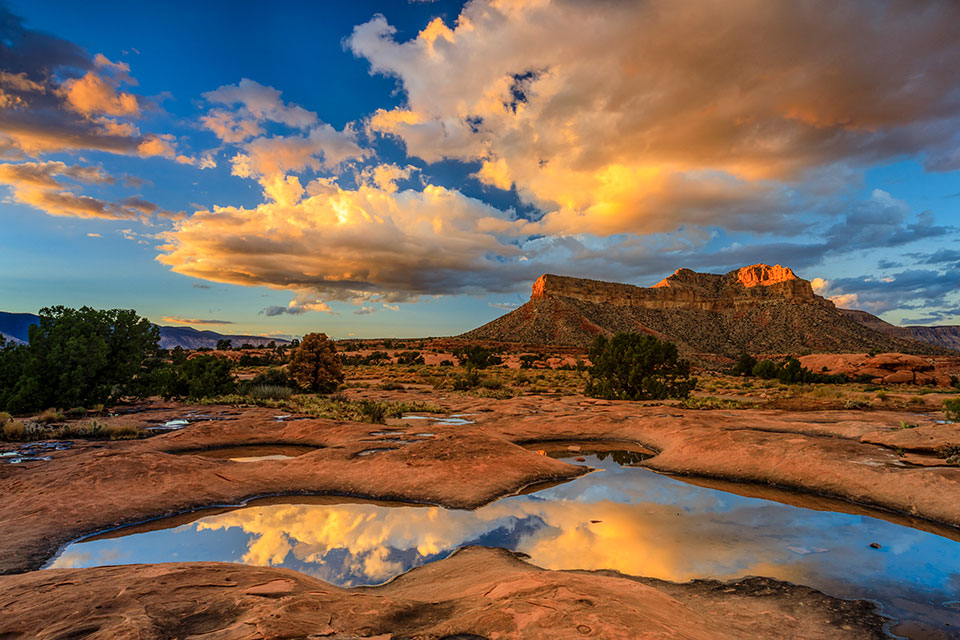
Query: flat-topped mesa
{"points": [[744, 287]]}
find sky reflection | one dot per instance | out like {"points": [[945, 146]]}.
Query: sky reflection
{"points": [[622, 518]]}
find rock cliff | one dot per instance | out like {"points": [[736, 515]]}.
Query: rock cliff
{"points": [[759, 309]]}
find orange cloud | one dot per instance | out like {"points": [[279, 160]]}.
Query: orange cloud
{"points": [[342, 244], [640, 122]]}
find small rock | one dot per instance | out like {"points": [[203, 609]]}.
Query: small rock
{"points": [[581, 459], [876, 545]]}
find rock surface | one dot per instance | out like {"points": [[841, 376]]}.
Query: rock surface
{"points": [[884, 368], [760, 309], [95, 486], [475, 593]]}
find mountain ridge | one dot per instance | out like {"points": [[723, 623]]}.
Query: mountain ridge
{"points": [[759, 308], [17, 325]]}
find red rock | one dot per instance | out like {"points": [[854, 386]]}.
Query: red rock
{"points": [[899, 377]]}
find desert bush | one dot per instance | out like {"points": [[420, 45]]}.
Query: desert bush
{"points": [[269, 391], [491, 383], [766, 369], [632, 366], [372, 411], [477, 357], [13, 430], [391, 386], [409, 357], [712, 402], [314, 365], [744, 365], [49, 416], [273, 376], [469, 380], [4, 418], [952, 409]]}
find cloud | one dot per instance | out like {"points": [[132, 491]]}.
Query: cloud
{"points": [[667, 113], [54, 98], [353, 245], [42, 186], [261, 103], [188, 321], [911, 288], [504, 305], [365, 311]]}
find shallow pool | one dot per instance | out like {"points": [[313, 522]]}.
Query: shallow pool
{"points": [[624, 518]]}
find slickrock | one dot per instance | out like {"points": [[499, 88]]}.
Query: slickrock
{"points": [[475, 593]]}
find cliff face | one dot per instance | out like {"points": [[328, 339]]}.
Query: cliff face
{"points": [[686, 289], [759, 309]]}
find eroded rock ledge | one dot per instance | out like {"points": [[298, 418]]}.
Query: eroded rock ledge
{"points": [[476, 592]]}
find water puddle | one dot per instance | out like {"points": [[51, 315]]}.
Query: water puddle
{"points": [[253, 453], [169, 425], [618, 517], [450, 421], [33, 452]]}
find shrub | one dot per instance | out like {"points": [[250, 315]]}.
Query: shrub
{"points": [[274, 376], [14, 430], [269, 391], [391, 386], [409, 357], [467, 381], [314, 364], [49, 416], [491, 383], [744, 366], [766, 369], [4, 418], [632, 366], [200, 377], [372, 411], [75, 357], [477, 357], [952, 409]]}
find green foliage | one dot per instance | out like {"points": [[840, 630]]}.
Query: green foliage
{"points": [[269, 391], [274, 376], [314, 365], [477, 357], [409, 357], [632, 366], [198, 377], [527, 360], [952, 409], [76, 357], [766, 369], [744, 366], [791, 371], [224, 345]]}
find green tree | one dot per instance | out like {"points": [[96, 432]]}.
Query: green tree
{"points": [[633, 366], [744, 366], [224, 345], [314, 364], [81, 357], [477, 357], [199, 377]]}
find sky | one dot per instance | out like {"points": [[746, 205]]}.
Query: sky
{"points": [[395, 168]]}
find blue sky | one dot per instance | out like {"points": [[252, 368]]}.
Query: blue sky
{"points": [[407, 169]]}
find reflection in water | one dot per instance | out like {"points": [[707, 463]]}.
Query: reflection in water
{"points": [[622, 518]]}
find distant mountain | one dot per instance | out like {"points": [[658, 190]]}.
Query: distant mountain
{"points": [[16, 326], [190, 338], [758, 309], [946, 336]]}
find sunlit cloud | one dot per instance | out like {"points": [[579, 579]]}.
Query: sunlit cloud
{"points": [[665, 113]]}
